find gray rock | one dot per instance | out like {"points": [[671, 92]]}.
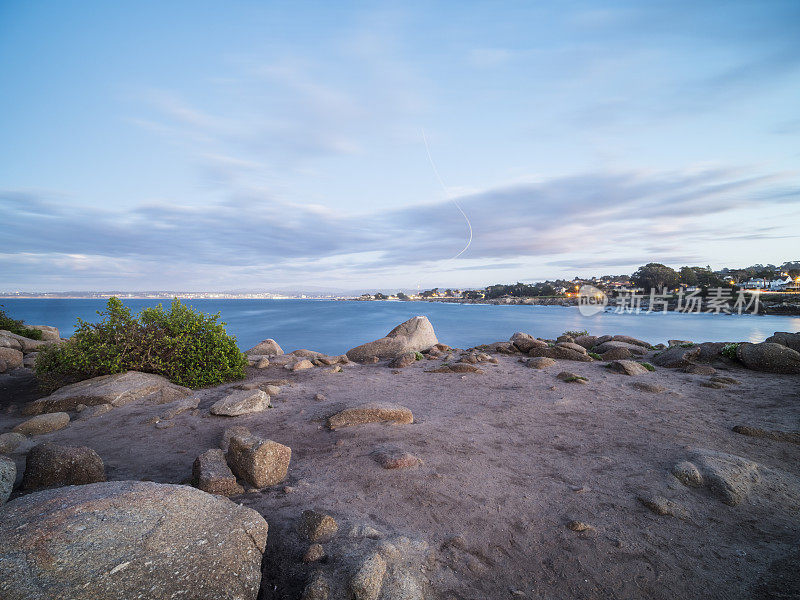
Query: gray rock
{"points": [[229, 432], [630, 340], [539, 362], [769, 357], [367, 581], [729, 477], [8, 475], [241, 402], [372, 412], [10, 441], [260, 462], [617, 354], [54, 465], [268, 347], [117, 390], [572, 346], [406, 359], [587, 341], [414, 335], [43, 424], [12, 340], [128, 539], [211, 473], [650, 388], [613, 344], [663, 506], [560, 352], [318, 588], [524, 341], [393, 457]]}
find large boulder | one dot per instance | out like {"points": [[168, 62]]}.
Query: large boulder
{"points": [[129, 539], [414, 335], [587, 341], [612, 344], [41, 424], [11, 357], [12, 340], [524, 341], [260, 462], [677, 357], [561, 352], [769, 357], [241, 402], [53, 465], [268, 347], [49, 333], [117, 389], [790, 340]]}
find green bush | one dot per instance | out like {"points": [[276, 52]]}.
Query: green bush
{"points": [[418, 356], [730, 351], [574, 333], [18, 327], [189, 348], [647, 366], [595, 356]]}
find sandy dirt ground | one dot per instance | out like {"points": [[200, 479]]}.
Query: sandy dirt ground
{"points": [[509, 458]]}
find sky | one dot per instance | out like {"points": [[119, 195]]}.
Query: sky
{"points": [[272, 145]]}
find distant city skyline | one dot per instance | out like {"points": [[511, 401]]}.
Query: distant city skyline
{"points": [[198, 146]]}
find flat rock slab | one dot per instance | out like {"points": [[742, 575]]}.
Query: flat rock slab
{"points": [[54, 465], [212, 474], [117, 389], [129, 539], [43, 424], [372, 412], [258, 461], [241, 402]]}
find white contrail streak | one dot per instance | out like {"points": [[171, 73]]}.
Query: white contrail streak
{"points": [[447, 193]]}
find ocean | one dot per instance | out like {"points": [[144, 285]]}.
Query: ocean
{"points": [[335, 326]]}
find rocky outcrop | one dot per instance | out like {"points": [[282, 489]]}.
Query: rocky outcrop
{"points": [[117, 389], [241, 402], [769, 357], [268, 347], [260, 462], [49, 333], [54, 465], [790, 340], [730, 478], [414, 335], [373, 412], [11, 358], [43, 424], [211, 473], [393, 457], [18, 342], [128, 539]]}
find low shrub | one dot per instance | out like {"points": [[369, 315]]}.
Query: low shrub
{"points": [[18, 327], [595, 356], [647, 366], [574, 334], [730, 351], [418, 356], [189, 348], [687, 345]]}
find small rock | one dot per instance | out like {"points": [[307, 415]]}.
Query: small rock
{"points": [[779, 436], [662, 506], [320, 397], [268, 347], [316, 526], [53, 465], [688, 474], [391, 457], [646, 386], [258, 461], [699, 369], [616, 354], [314, 553], [317, 588], [165, 424], [368, 579], [8, 475], [262, 363], [539, 362], [211, 474], [569, 377], [406, 359], [241, 402], [579, 526], [10, 441], [456, 368], [361, 530], [373, 412], [300, 365], [46, 423]]}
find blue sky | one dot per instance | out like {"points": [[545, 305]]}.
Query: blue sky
{"points": [[198, 145]]}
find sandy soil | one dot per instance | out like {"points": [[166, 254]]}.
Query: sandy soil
{"points": [[509, 458]]}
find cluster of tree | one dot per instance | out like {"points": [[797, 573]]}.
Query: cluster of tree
{"points": [[760, 271], [519, 290], [657, 276]]}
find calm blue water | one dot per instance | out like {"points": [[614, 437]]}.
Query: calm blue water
{"points": [[335, 326]]}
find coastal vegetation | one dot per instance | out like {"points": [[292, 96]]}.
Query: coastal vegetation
{"points": [[187, 347], [18, 327]]}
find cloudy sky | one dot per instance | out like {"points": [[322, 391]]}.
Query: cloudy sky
{"points": [[271, 145]]}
